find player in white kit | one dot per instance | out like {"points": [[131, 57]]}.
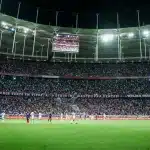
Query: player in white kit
{"points": [[73, 118], [84, 116], [32, 117], [104, 116], [40, 116], [61, 116], [92, 117], [67, 116], [3, 116]]}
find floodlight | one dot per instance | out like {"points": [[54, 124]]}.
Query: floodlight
{"points": [[26, 30], [107, 37], [12, 29], [3, 23], [6, 27], [130, 35], [122, 34], [34, 32], [146, 33]]}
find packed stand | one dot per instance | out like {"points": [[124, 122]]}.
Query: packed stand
{"points": [[18, 105], [75, 69], [50, 90], [67, 86]]}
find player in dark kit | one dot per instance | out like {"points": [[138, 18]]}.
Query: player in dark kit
{"points": [[28, 117], [50, 117]]}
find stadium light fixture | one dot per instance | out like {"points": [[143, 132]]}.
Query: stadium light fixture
{"points": [[107, 37], [146, 33], [14, 78], [12, 29], [6, 27], [3, 23], [121, 34], [130, 35], [26, 30], [34, 32]]}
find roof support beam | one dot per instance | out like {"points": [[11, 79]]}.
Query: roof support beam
{"points": [[96, 49], [48, 48], [138, 15], [33, 48], [15, 32], [1, 2], [118, 37]]}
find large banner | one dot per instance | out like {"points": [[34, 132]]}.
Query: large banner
{"points": [[75, 95]]}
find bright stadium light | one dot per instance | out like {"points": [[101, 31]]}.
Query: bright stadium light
{"points": [[122, 34], [12, 29], [26, 30], [146, 33], [6, 27], [34, 32], [130, 35], [107, 37], [3, 23]]}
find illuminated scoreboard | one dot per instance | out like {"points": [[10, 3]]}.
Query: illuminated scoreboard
{"points": [[65, 43]]}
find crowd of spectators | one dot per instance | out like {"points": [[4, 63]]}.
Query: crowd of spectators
{"points": [[68, 86], [75, 69], [20, 105], [47, 97]]}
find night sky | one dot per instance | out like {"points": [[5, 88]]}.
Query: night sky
{"points": [[87, 10]]}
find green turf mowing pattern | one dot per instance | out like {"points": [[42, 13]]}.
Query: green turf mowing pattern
{"points": [[86, 135]]}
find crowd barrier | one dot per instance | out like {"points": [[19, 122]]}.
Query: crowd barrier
{"points": [[98, 117]]}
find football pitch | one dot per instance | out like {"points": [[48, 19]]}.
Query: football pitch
{"points": [[86, 135]]}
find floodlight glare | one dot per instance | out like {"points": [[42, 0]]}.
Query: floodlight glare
{"points": [[34, 32], [6, 27], [3, 23], [107, 37], [130, 35], [121, 34], [146, 33], [12, 29], [26, 30]]}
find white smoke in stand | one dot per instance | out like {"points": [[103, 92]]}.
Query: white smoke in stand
{"points": [[74, 97], [58, 100], [75, 108]]}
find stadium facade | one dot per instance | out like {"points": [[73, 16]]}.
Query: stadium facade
{"points": [[20, 39]]}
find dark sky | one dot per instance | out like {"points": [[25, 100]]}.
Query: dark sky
{"points": [[87, 10]]}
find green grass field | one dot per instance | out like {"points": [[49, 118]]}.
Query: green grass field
{"points": [[86, 135]]}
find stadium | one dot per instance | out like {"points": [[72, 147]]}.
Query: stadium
{"points": [[28, 40], [67, 88]]}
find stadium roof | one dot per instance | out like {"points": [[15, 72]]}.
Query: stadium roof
{"points": [[101, 44]]}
